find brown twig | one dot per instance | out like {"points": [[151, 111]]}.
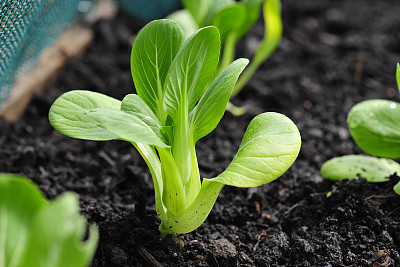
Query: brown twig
{"points": [[148, 257]]}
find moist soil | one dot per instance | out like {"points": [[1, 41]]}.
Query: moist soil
{"points": [[333, 54]]}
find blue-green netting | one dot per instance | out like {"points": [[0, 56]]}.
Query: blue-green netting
{"points": [[28, 26]]}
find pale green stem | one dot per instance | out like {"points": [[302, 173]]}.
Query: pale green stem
{"points": [[153, 163], [192, 187], [245, 77], [181, 142], [196, 213], [173, 195]]}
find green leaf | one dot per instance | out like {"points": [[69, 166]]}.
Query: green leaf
{"points": [[273, 30], [135, 106], [229, 19], [397, 188], [198, 9], [352, 166], [129, 127], [375, 126], [153, 51], [35, 233], [252, 14], [211, 107], [69, 115], [191, 69], [57, 231], [20, 200], [185, 20], [269, 147], [398, 76], [215, 7], [196, 213]]}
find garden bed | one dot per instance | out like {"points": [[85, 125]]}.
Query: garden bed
{"points": [[332, 56]]}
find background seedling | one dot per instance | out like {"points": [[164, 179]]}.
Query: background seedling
{"points": [[35, 232], [234, 19], [375, 127]]}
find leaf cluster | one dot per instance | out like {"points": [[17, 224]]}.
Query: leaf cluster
{"points": [[35, 232], [375, 127], [234, 19]]}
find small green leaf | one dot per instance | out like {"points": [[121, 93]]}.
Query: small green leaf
{"points": [[229, 19], [191, 69], [69, 115], [128, 126], [354, 166], [398, 76], [269, 147], [397, 188], [329, 194], [375, 126], [153, 51], [252, 13], [211, 107]]}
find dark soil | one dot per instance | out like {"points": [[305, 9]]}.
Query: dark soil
{"points": [[333, 55]]}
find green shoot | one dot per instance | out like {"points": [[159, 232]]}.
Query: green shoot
{"points": [[234, 19]]}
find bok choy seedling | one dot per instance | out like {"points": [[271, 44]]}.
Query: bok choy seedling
{"points": [[234, 19], [35, 232], [170, 113], [375, 127]]}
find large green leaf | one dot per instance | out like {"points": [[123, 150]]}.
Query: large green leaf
{"points": [[269, 147], [215, 7], [69, 115], [57, 231], [211, 107], [153, 51], [191, 69], [397, 188], [128, 126], [375, 126], [20, 200], [35, 233], [354, 166]]}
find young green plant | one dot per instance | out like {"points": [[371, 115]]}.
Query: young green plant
{"points": [[34, 232], [170, 113], [375, 127], [234, 19]]}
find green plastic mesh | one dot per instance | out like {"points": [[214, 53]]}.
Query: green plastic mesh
{"points": [[26, 28]]}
